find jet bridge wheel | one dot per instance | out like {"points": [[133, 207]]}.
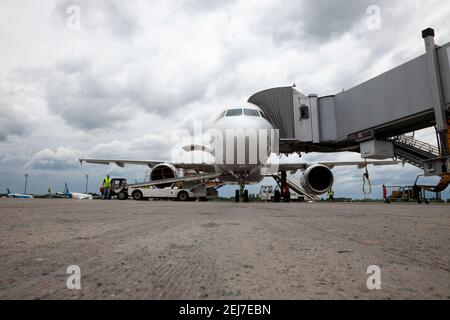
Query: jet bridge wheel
{"points": [[277, 196]]}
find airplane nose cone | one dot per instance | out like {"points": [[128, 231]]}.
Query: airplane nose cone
{"points": [[242, 142]]}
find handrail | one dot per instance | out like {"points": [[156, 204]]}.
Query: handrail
{"points": [[422, 146]]}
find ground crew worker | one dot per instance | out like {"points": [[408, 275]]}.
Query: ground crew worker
{"points": [[330, 195], [107, 187]]}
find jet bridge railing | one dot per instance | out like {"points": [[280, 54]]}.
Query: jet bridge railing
{"points": [[424, 147]]}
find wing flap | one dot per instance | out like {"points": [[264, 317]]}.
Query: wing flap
{"points": [[359, 164], [203, 167], [303, 166], [122, 163]]}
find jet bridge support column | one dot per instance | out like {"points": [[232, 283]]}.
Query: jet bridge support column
{"points": [[284, 187], [437, 93]]}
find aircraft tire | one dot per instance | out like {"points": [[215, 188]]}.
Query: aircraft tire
{"points": [[236, 196], [277, 196], [287, 198], [245, 195]]}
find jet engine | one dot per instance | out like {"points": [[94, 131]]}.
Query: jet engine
{"points": [[163, 171], [317, 179]]}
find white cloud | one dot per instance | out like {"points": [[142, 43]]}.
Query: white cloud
{"points": [[136, 71], [61, 159], [13, 122]]}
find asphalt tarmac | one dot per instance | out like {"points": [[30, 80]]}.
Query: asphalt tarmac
{"points": [[218, 250]]}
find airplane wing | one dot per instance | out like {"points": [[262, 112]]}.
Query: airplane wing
{"points": [[204, 167], [331, 165], [359, 164]]}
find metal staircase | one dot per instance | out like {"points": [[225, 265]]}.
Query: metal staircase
{"points": [[413, 151], [293, 185], [193, 178]]}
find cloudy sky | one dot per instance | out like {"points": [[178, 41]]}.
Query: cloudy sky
{"points": [[117, 78]]}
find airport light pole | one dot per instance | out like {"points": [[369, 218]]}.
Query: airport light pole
{"points": [[26, 182], [87, 182]]}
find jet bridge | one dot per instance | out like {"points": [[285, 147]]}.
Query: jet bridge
{"points": [[372, 117]]}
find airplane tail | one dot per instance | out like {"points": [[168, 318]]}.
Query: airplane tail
{"points": [[66, 188], [7, 190]]}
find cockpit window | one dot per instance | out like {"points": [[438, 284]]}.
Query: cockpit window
{"points": [[222, 114], [234, 112], [251, 112], [263, 115]]}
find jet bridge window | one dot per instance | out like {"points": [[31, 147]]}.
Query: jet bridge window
{"points": [[251, 112], [234, 112], [304, 112]]}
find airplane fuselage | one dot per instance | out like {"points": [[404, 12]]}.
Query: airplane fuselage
{"points": [[19, 196], [241, 141]]}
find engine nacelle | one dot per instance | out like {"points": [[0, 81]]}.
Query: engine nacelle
{"points": [[317, 179], [163, 171]]}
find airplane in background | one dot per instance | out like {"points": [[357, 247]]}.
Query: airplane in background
{"points": [[18, 195], [235, 124], [74, 195]]}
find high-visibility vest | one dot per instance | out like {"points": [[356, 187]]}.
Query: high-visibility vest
{"points": [[107, 183]]}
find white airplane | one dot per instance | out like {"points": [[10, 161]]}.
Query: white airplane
{"points": [[18, 195], [241, 142], [74, 195]]}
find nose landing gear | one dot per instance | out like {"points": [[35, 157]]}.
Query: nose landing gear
{"points": [[241, 194], [245, 196]]}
